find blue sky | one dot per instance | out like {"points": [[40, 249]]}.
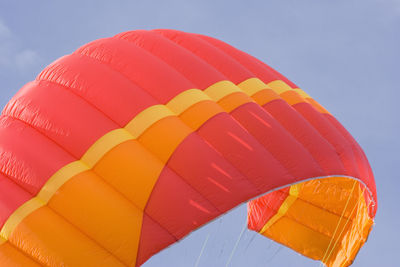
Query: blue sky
{"points": [[343, 53]]}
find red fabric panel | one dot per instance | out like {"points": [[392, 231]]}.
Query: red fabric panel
{"points": [[281, 144], [27, 157], [102, 86], [11, 197], [367, 175], [260, 210], [365, 168], [107, 90], [177, 207], [153, 238], [27, 160], [257, 67], [59, 114], [319, 148], [331, 134], [210, 174], [185, 62], [213, 56], [244, 152], [139, 66]]}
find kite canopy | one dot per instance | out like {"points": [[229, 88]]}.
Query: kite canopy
{"points": [[130, 143]]}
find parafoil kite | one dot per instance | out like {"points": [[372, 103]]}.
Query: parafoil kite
{"points": [[130, 143]]}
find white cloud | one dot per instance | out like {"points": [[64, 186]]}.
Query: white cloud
{"points": [[26, 58], [12, 54]]}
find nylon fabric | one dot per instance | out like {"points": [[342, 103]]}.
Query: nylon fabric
{"points": [[132, 142]]}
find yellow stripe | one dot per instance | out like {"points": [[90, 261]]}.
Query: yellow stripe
{"points": [[19, 214], [105, 144], [290, 199], [279, 86], [219, 90], [133, 130], [146, 118], [47, 191], [186, 99], [60, 178], [302, 93], [252, 86]]}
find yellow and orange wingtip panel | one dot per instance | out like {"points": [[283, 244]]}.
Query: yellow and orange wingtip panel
{"points": [[325, 219], [132, 142]]}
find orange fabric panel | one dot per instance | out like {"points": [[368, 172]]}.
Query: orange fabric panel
{"points": [[199, 113], [316, 224], [315, 218], [264, 96], [13, 257], [85, 205], [164, 136], [338, 189], [343, 252], [292, 97], [234, 100], [298, 237], [104, 214], [132, 170], [46, 236]]}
